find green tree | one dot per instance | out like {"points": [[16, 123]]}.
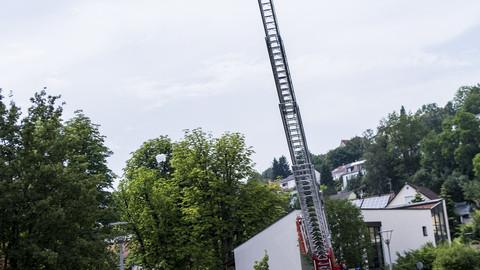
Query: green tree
{"points": [[352, 151], [257, 199], [356, 185], [431, 116], [349, 232], [59, 205], [403, 132], [454, 148], [268, 174], [326, 179], [467, 98], [445, 257], [471, 231], [408, 260], [452, 217], [471, 189], [280, 168], [192, 214], [457, 257], [9, 188], [378, 179]]}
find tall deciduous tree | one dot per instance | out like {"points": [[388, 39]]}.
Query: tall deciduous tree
{"points": [[59, 206], [191, 215], [379, 163], [349, 232], [9, 187]]}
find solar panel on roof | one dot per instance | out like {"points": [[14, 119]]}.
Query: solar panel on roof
{"points": [[376, 202]]}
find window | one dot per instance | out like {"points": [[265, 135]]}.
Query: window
{"points": [[376, 257], [424, 229], [439, 224]]}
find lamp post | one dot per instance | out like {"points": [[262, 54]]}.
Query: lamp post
{"points": [[121, 240], [387, 237]]}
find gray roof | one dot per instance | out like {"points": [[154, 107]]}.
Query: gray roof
{"points": [[373, 202], [287, 179]]}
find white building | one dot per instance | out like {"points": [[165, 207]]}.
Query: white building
{"points": [[347, 172], [288, 183], [464, 212], [413, 225], [280, 241]]}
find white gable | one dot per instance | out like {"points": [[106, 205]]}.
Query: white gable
{"points": [[405, 196]]}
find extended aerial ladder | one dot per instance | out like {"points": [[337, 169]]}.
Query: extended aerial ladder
{"points": [[314, 222]]}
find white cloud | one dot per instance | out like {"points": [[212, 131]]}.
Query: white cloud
{"points": [[213, 77]]}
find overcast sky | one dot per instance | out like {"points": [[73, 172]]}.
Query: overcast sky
{"points": [[145, 68]]}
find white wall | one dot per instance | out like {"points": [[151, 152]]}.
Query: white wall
{"points": [[406, 225], [279, 240], [406, 192]]}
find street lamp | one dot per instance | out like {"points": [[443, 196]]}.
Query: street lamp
{"points": [[387, 237], [121, 240]]}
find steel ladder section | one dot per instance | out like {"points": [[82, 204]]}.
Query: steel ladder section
{"points": [[318, 235]]}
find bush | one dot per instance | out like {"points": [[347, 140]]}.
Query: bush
{"points": [[446, 257], [408, 260], [457, 257]]}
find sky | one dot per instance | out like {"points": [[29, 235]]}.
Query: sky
{"points": [[146, 68]]}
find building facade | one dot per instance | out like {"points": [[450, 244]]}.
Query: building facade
{"points": [[347, 172], [279, 241], [412, 225]]}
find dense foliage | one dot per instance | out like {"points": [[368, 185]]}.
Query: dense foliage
{"points": [[53, 181], [190, 211], [433, 147], [348, 232], [280, 169], [470, 232], [453, 257], [352, 151]]}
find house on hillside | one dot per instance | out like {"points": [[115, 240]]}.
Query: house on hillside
{"points": [[288, 183], [413, 225], [347, 172], [343, 143], [464, 212]]}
